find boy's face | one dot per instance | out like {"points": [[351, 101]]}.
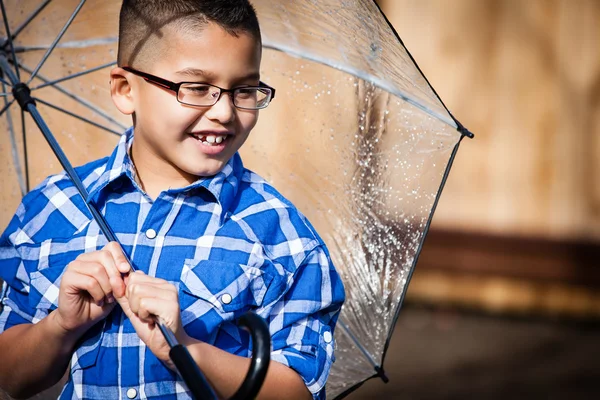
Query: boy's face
{"points": [[175, 139]]}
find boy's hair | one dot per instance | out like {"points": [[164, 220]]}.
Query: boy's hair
{"points": [[141, 23]]}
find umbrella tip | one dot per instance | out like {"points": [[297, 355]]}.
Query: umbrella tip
{"points": [[381, 374], [464, 131]]}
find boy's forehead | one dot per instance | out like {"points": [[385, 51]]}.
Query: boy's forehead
{"points": [[206, 51]]}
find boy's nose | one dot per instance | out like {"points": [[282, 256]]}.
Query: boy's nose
{"points": [[223, 110]]}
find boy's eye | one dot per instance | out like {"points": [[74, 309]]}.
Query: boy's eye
{"points": [[197, 90], [246, 92]]}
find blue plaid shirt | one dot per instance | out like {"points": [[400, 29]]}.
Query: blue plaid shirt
{"points": [[231, 234]]}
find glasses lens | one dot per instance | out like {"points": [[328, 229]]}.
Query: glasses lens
{"points": [[252, 98], [198, 94], [202, 94]]}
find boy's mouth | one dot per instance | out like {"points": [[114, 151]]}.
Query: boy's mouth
{"points": [[211, 139]]}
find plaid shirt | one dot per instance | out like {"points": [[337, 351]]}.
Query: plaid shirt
{"points": [[229, 243]]}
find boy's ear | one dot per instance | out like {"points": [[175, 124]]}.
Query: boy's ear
{"points": [[121, 91]]}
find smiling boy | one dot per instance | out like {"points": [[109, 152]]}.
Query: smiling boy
{"points": [[209, 238]]}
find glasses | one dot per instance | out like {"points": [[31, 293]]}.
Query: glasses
{"points": [[207, 95]]}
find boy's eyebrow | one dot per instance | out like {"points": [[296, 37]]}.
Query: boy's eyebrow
{"points": [[196, 72]]}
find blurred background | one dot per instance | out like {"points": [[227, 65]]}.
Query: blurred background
{"points": [[504, 301]]}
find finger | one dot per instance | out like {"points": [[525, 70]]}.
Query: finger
{"points": [[94, 270], [144, 314], [168, 312], [106, 259], [166, 292], [117, 262], [139, 294], [141, 277], [120, 260], [136, 292], [87, 284]]}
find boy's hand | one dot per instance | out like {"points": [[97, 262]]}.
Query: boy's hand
{"points": [[89, 286], [146, 299]]}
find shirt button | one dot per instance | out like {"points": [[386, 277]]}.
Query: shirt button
{"points": [[226, 298], [150, 233], [131, 393], [327, 337]]}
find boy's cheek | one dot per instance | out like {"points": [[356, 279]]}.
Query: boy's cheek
{"points": [[248, 118]]}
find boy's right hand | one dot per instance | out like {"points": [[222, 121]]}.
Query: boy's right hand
{"points": [[89, 286]]}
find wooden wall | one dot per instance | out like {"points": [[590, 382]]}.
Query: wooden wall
{"points": [[524, 76], [518, 225]]}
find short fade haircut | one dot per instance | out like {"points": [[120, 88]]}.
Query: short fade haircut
{"points": [[141, 21]]}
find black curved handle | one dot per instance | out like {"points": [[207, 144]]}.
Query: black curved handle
{"points": [[261, 356], [190, 372], [259, 364]]}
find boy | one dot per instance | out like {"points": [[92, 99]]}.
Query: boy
{"points": [[211, 240]]}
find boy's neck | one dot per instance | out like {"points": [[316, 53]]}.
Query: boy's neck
{"points": [[154, 175]]}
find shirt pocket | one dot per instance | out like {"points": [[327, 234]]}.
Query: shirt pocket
{"points": [[213, 292], [44, 286], [51, 260]]}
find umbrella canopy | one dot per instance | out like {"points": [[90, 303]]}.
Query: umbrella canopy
{"points": [[356, 138]]}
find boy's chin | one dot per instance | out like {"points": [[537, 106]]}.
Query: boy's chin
{"points": [[206, 171]]}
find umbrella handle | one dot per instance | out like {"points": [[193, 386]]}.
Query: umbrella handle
{"points": [[261, 356], [191, 374], [255, 377]]}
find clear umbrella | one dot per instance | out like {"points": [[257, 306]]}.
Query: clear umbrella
{"points": [[357, 138]]}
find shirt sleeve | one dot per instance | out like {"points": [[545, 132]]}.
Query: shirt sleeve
{"points": [[304, 321], [14, 303]]}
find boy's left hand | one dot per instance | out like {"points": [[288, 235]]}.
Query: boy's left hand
{"points": [[147, 298]]}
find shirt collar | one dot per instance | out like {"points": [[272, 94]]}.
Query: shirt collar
{"points": [[223, 186]]}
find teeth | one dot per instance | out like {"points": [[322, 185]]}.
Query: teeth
{"points": [[210, 140]]}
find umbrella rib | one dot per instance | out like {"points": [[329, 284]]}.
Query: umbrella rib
{"points": [[74, 44], [56, 40], [367, 355], [381, 83], [25, 156], [81, 101], [9, 38], [6, 107], [76, 75], [13, 146], [97, 125], [30, 18]]}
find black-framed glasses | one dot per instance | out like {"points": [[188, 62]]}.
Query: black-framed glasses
{"points": [[207, 95]]}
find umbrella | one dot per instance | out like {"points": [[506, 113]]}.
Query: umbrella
{"points": [[357, 139]]}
